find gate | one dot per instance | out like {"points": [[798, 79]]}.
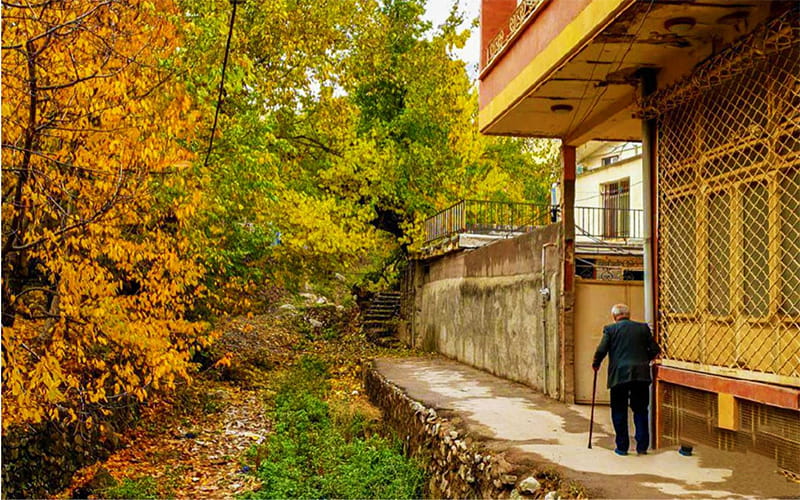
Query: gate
{"points": [[593, 301]]}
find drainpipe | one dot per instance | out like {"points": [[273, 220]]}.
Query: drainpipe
{"points": [[545, 293], [648, 86]]}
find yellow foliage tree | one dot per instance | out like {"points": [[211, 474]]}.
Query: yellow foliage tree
{"points": [[97, 275]]}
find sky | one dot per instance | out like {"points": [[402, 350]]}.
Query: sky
{"points": [[437, 11]]}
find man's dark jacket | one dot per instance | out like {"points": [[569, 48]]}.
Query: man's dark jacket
{"points": [[630, 347]]}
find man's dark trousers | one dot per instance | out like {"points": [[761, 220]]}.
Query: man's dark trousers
{"points": [[639, 395]]}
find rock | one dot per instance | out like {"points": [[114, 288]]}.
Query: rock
{"points": [[321, 300], [529, 485], [552, 495], [515, 495], [508, 478], [315, 322]]}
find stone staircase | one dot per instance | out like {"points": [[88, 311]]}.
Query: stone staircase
{"points": [[380, 320]]}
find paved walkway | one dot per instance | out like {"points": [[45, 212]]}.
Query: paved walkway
{"points": [[511, 417]]}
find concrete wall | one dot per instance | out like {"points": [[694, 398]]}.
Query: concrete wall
{"points": [[483, 308]]}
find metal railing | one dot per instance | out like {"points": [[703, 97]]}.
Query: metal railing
{"points": [[499, 217], [488, 217], [609, 223]]}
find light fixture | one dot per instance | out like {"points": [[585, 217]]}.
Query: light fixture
{"points": [[680, 25], [561, 109]]}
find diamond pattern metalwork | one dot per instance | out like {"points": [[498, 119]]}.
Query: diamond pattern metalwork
{"points": [[729, 210]]}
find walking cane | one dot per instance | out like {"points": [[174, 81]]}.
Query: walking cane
{"points": [[591, 418]]}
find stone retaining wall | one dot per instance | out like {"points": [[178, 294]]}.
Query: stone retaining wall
{"points": [[457, 465]]}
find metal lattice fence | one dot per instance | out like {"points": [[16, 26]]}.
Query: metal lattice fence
{"points": [[729, 209]]}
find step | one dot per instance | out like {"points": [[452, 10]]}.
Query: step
{"points": [[385, 303]]}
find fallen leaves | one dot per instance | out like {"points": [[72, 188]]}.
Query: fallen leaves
{"points": [[205, 442]]}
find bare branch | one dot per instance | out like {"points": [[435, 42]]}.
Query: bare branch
{"points": [[77, 20]]}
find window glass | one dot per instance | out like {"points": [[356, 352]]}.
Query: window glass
{"points": [[719, 253], [680, 255], [755, 249], [790, 243]]}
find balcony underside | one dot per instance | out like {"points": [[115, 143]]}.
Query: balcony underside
{"points": [[591, 63]]}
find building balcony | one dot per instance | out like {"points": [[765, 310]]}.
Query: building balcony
{"points": [[571, 68], [474, 223]]}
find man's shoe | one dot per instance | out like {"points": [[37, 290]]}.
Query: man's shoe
{"points": [[620, 452], [641, 452]]}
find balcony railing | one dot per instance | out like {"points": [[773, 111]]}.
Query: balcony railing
{"points": [[488, 217], [611, 225], [507, 34]]}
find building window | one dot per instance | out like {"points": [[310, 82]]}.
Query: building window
{"points": [[718, 267], [755, 230], [608, 160], [680, 255], [616, 208], [789, 303]]}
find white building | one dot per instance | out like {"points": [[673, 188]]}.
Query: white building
{"points": [[608, 210]]}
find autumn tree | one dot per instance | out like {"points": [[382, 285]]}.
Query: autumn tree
{"points": [[266, 216], [343, 125], [96, 271], [418, 106]]}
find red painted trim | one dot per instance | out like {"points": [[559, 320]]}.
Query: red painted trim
{"points": [[533, 39], [773, 395], [494, 17]]}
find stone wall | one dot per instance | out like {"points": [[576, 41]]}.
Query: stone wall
{"points": [[457, 466], [483, 307]]}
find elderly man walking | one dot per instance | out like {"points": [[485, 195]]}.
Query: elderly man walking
{"points": [[630, 347]]}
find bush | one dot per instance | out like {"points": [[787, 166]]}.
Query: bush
{"points": [[311, 456]]}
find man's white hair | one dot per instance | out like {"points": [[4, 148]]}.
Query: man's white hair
{"points": [[621, 310]]}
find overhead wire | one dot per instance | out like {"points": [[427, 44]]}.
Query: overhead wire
{"points": [[234, 4], [600, 95]]}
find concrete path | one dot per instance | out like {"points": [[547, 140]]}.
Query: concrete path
{"points": [[511, 417]]}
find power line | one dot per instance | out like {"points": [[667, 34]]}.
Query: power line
{"points": [[600, 95], [234, 3]]}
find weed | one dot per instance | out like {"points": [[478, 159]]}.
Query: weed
{"points": [[313, 454], [142, 487]]}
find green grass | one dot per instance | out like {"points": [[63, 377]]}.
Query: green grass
{"points": [[143, 487], [313, 455]]}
